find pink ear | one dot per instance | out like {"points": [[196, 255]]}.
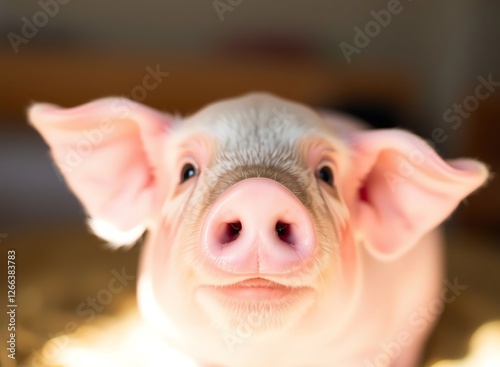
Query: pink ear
{"points": [[404, 189], [106, 151]]}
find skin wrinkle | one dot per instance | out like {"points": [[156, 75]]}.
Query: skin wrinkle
{"points": [[263, 148], [287, 179], [299, 184]]}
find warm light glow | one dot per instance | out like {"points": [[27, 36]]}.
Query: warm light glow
{"points": [[484, 349], [125, 341], [115, 236]]}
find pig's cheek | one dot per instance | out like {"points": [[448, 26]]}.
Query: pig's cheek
{"points": [[155, 257], [346, 249], [167, 269]]}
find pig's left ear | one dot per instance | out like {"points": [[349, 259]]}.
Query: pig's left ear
{"points": [[107, 150], [404, 189]]}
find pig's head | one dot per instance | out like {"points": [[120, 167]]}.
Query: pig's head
{"points": [[257, 210]]}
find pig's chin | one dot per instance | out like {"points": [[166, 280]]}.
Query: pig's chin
{"points": [[262, 304]]}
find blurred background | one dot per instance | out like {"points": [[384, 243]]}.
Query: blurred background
{"points": [[430, 67]]}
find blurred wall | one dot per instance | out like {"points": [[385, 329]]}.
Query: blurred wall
{"points": [[440, 48], [443, 46]]}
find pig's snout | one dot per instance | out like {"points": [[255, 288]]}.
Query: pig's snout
{"points": [[257, 227]]}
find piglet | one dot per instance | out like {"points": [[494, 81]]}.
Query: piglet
{"points": [[277, 235]]}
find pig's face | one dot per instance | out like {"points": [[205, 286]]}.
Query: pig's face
{"points": [[251, 222], [257, 210]]}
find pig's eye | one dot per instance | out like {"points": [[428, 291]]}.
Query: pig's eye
{"points": [[187, 172], [325, 174]]}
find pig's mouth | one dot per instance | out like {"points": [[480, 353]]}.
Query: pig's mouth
{"points": [[257, 289], [269, 304]]}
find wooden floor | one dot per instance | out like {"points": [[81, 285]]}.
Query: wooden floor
{"points": [[57, 270]]}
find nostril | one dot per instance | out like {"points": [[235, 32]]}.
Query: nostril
{"points": [[257, 227], [281, 229], [234, 228], [284, 232], [232, 231]]}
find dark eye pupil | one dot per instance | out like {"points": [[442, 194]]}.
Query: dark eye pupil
{"points": [[188, 171], [326, 175]]}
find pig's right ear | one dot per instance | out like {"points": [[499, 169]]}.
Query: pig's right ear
{"points": [[107, 150]]}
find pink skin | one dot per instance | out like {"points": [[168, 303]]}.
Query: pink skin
{"points": [[258, 206], [254, 259]]}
